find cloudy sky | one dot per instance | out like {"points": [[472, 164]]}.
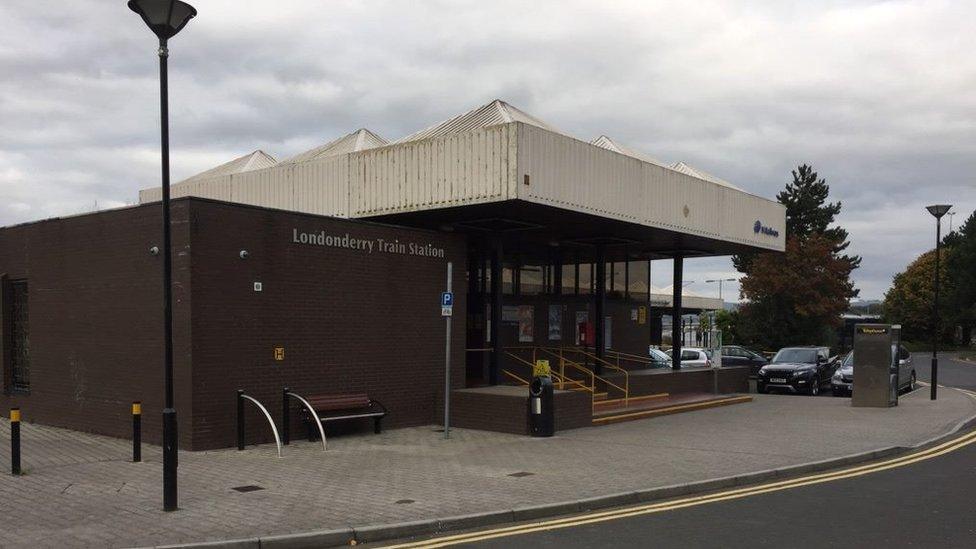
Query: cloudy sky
{"points": [[880, 97]]}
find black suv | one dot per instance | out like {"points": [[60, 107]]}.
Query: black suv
{"points": [[736, 355], [797, 370]]}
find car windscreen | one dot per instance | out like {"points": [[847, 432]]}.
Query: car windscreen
{"points": [[807, 356], [848, 360]]}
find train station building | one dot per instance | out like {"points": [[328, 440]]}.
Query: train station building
{"points": [[323, 273]]}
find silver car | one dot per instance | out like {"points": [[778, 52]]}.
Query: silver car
{"points": [[842, 382]]}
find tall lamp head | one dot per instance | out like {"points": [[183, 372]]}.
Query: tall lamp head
{"points": [[939, 210], [164, 17]]}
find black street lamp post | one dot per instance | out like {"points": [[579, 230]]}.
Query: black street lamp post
{"points": [[166, 18], [937, 211]]}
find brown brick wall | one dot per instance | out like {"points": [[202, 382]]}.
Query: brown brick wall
{"points": [[349, 321], [731, 380], [95, 302], [507, 413]]}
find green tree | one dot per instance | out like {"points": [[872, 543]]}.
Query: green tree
{"points": [[726, 322], [798, 297], [960, 288], [909, 300]]}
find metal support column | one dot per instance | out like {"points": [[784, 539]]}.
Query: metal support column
{"points": [[494, 364], [676, 313], [557, 274], [600, 302]]}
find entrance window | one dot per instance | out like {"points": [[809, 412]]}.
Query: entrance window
{"points": [[569, 279], [19, 357], [508, 280], [585, 278], [637, 280], [531, 279]]}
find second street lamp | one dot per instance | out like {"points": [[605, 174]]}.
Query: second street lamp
{"points": [[165, 18], [937, 211], [720, 281]]}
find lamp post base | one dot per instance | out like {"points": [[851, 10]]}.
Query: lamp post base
{"points": [[170, 457]]}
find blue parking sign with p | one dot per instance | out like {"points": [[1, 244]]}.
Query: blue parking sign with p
{"points": [[447, 299]]}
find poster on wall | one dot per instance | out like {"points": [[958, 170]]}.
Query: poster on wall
{"points": [[526, 325], [581, 317], [555, 322]]}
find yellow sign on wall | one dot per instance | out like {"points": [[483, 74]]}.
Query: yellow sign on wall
{"points": [[642, 315], [541, 368], [279, 353]]}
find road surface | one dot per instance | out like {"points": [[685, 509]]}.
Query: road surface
{"points": [[905, 502]]}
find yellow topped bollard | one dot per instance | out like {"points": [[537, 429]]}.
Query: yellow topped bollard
{"points": [[15, 441], [136, 431]]}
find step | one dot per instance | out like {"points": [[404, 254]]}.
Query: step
{"points": [[672, 405], [621, 402]]}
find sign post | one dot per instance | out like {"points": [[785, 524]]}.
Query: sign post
{"points": [[447, 310]]}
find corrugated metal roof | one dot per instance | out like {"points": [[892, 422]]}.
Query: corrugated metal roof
{"points": [[253, 161], [608, 143], [494, 113], [701, 174], [359, 140]]}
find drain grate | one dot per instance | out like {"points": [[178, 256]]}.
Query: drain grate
{"points": [[402, 501], [521, 474], [248, 488]]}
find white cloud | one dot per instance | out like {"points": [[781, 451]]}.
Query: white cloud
{"points": [[876, 95]]}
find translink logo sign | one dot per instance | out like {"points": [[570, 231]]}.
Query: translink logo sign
{"points": [[758, 227]]}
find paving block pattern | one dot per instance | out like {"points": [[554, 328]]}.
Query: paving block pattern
{"points": [[82, 491]]}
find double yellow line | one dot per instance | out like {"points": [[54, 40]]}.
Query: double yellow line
{"points": [[694, 501]]}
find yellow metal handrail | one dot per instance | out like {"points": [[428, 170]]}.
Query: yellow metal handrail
{"points": [[517, 378], [625, 388], [630, 357], [564, 361], [560, 379]]}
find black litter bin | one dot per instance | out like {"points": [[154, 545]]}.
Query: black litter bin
{"points": [[542, 420]]}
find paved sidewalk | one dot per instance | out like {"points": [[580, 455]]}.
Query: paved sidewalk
{"points": [[81, 491]]}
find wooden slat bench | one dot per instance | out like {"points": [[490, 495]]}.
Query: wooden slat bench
{"points": [[338, 407]]}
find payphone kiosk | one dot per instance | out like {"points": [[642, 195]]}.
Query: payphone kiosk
{"points": [[875, 365]]}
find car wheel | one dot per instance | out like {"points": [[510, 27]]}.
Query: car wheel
{"points": [[814, 389]]}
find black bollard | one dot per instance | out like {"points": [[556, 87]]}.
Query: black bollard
{"points": [[15, 441], [136, 431]]}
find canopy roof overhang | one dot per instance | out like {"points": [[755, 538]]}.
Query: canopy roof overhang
{"points": [[541, 232], [535, 188]]}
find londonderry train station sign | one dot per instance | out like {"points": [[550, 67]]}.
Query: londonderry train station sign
{"points": [[367, 245]]}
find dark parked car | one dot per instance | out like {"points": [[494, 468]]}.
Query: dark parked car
{"points": [[735, 355], [797, 370]]}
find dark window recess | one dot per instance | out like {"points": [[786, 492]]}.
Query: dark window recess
{"points": [[19, 337]]}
